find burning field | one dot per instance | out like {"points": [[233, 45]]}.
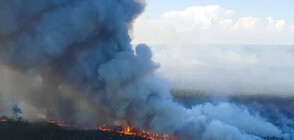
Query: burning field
{"points": [[15, 129], [72, 60]]}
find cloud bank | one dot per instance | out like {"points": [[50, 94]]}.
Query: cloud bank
{"points": [[179, 40], [211, 24]]}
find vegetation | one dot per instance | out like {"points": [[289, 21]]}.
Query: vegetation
{"points": [[21, 130]]}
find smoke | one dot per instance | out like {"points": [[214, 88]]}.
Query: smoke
{"points": [[72, 60], [228, 68]]}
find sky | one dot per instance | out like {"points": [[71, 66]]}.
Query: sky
{"points": [[217, 22], [221, 45], [261, 8]]}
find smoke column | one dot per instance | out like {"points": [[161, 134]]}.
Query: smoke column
{"points": [[72, 60]]}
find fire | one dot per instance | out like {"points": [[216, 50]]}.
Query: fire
{"points": [[129, 130], [62, 124], [9, 120], [52, 122], [3, 120]]}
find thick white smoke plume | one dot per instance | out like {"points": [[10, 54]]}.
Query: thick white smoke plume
{"points": [[72, 60]]}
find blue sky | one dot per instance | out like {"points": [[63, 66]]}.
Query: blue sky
{"points": [[217, 22], [261, 8], [221, 45]]}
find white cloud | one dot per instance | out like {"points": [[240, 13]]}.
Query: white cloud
{"points": [[291, 28], [247, 24], [196, 17], [211, 24], [225, 67], [226, 24], [277, 26], [230, 12]]}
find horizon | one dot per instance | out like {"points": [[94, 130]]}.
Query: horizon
{"points": [[188, 36]]}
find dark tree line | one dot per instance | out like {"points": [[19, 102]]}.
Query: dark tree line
{"points": [[21, 130]]}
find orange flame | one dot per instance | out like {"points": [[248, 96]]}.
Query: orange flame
{"points": [[62, 124], [52, 122], [129, 130], [3, 120]]}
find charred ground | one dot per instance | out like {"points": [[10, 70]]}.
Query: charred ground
{"points": [[22, 130]]}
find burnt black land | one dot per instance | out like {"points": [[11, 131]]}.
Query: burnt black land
{"points": [[21, 130]]}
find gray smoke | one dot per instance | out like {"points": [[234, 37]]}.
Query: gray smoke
{"points": [[72, 60]]}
